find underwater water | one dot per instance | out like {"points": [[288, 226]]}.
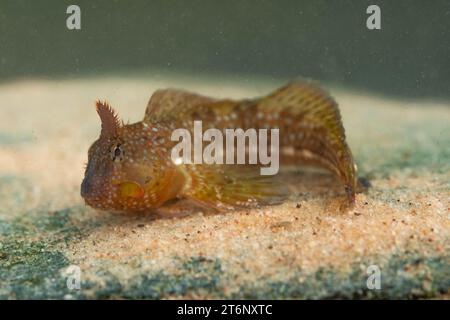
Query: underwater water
{"points": [[387, 68]]}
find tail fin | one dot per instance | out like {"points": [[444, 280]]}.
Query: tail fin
{"points": [[311, 117]]}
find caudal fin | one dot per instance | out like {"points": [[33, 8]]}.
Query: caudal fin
{"points": [[310, 121]]}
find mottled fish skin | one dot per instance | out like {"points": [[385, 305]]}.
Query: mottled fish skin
{"points": [[130, 168]]}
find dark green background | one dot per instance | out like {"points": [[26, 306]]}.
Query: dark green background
{"points": [[325, 40]]}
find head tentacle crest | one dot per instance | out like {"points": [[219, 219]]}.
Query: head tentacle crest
{"points": [[109, 118]]}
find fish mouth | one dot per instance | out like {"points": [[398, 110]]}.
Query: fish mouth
{"points": [[85, 189], [91, 198], [90, 190]]}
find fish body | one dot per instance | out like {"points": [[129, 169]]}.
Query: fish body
{"points": [[130, 167]]}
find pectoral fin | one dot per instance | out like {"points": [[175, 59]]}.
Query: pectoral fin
{"points": [[232, 186]]}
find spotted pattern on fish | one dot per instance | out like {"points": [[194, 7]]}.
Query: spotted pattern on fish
{"points": [[130, 168]]}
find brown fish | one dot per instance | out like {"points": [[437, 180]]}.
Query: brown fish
{"points": [[130, 168]]}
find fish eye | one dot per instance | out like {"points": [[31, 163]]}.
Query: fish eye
{"points": [[117, 152]]}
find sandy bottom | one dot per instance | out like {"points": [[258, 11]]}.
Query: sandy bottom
{"points": [[401, 148]]}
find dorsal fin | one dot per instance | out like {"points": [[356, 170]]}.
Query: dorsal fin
{"points": [[172, 102]]}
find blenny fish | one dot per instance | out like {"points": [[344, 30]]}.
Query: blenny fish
{"points": [[130, 167]]}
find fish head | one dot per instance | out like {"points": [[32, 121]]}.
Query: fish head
{"points": [[125, 171]]}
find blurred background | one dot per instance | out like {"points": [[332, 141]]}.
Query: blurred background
{"points": [[324, 40]]}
